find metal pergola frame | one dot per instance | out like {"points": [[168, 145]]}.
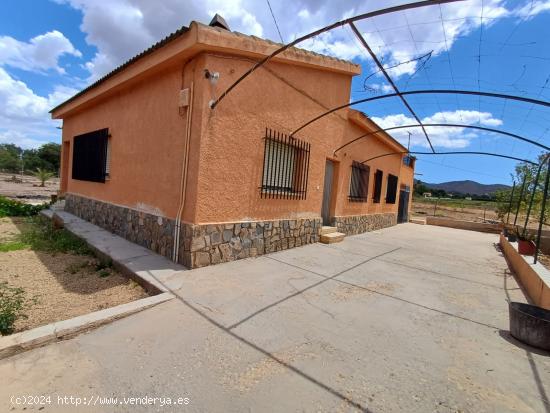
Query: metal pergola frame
{"points": [[453, 125], [419, 92], [375, 13], [401, 95]]}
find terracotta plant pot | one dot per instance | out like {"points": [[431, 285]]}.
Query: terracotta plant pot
{"points": [[526, 247]]}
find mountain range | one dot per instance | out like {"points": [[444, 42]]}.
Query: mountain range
{"points": [[467, 187]]}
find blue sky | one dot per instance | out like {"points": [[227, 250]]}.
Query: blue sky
{"points": [[51, 49]]}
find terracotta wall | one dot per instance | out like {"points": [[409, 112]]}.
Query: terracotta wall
{"points": [[147, 135], [280, 97], [226, 152]]}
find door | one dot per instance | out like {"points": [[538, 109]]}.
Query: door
{"points": [[327, 192], [403, 211]]}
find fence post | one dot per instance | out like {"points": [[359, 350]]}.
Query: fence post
{"points": [[544, 195], [435, 206], [533, 196], [520, 197], [510, 203]]}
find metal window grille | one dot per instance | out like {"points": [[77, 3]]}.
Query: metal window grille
{"points": [[286, 166], [90, 156], [391, 190], [359, 183], [377, 186]]}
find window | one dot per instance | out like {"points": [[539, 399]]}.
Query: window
{"points": [[391, 189], [286, 165], [90, 156], [359, 184], [377, 186]]}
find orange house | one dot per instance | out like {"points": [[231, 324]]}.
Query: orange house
{"points": [[146, 157]]}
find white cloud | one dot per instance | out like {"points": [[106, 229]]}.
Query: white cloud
{"points": [[443, 137], [24, 117], [39, 54], [531, 9]]}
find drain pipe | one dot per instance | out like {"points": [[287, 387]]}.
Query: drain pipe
{"points": [[183, 183]]}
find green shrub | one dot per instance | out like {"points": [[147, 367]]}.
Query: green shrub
{"points": [[12, 303], [40, 235], [13, 208]]}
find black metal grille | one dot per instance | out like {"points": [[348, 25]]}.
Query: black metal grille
{"points": [[391, 190], [286, 166], [359, 184], [90, 156], [377, 186]]}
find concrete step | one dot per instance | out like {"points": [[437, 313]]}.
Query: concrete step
{"points": [[328, 230], [332, 237], [420, 221]]}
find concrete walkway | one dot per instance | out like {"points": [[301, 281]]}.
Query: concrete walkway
{"points": [[409, 319]]}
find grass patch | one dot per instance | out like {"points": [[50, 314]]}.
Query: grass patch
{"points": [[12, 303], [13, 246], [40, 235]]}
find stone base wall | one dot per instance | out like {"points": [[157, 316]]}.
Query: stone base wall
{"points": [[200, 245], [212, 244], [357, 224], [148, 230]]}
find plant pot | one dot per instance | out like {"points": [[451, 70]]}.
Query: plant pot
{"points": [[512, 238], [526, 247], [530, 324]]}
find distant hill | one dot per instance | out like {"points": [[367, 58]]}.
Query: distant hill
{"points": [[467, 187]]}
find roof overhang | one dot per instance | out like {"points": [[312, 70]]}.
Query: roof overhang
{"points": [[182, 46], [366, 123]]}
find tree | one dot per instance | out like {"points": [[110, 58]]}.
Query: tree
{"points": [[43, 176], [47, 157], [10, 157]]}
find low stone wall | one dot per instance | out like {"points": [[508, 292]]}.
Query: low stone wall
{"points": [[212, 244], [357, 224], [148, 230], [467, 225], [534, 278], [200, 245]]}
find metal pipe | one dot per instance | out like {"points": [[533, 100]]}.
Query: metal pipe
{"points": [[510, 203], [390, 81], [340, 23], [536, 183], [520, 197], [541, 220], [423, 92], [453, 125], [452, 153]]}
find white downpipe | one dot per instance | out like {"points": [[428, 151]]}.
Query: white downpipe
{"points": [[183, 183]]}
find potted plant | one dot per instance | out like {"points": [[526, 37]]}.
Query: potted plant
{"points": [[510, 234], [526, 246]]}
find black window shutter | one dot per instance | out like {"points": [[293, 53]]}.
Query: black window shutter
{"points": [[90, 156]]}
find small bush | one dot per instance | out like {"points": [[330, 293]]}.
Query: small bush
{"points": [[12, 302], [12, 208], [42, 236]]}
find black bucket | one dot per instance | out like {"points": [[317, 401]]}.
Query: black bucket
{"points": [[530, 324]]}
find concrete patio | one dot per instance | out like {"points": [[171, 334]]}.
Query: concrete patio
{"points": [[411, 318]]}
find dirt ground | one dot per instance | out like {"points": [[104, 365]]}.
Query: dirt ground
{"points": [[60, 286], [466, 214], [27, 188]]}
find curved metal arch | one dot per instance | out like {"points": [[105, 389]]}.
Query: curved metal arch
{"points": [[426, 91], [453, 125], [375, 13], [451, 153]]}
